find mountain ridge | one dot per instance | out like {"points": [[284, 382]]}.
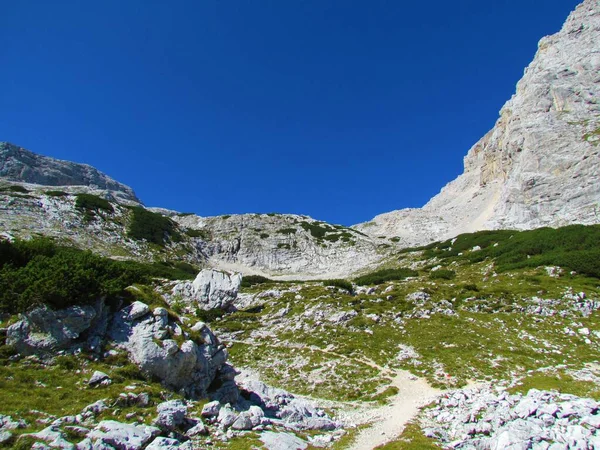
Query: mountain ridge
{"points": [[536, 166]]}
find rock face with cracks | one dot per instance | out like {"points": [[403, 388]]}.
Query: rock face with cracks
{"points": [[212, 289], [19, 164], [539, 165]]}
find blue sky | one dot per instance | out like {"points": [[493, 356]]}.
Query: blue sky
{"points": [[338, 109]]}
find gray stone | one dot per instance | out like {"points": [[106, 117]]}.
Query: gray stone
{"points": [[197, 429], [171, 414], [191, 367], [138, 310], [44, 330], [211, 409], [163, 443], [5, 437], [227, 416], [123, 436], [282, 441], [212, 289], [97, 378]]}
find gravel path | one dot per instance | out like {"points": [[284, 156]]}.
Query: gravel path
{"points": [[389, 421]]}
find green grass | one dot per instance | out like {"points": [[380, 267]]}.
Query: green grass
{"points": [[412, 438], [557, 381], [61, 389]]}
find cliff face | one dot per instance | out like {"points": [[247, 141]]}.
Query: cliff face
{"points": [[21, 165], [539, 165]]}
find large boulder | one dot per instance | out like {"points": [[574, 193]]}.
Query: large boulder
{"points": [[44, 330], [188, 366], [212, 289], [122, 435]]}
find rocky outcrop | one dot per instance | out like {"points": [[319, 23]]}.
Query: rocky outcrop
{"points": [[485, 418], [154, 340], [283, 244], [212, 289], [44, 330], [151, 339], [18, 164], [538, 166]]}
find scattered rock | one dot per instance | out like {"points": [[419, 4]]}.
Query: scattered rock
{"points": [[99, 378], [122, 436], [282, 441]]}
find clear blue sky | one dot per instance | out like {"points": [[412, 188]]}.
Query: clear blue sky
{"points": [[336, 109]]}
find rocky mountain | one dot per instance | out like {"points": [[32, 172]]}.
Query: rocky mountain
{"points": [[18, 164], [284, 245], [263, 244], [540, 163]]}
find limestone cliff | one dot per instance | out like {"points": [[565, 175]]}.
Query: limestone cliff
{"points": [[21, 165], [539, 165]]}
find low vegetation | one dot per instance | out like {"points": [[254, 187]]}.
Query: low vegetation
{"points": [[152, 227], [40, 272], [381, 276], [92, 205]]}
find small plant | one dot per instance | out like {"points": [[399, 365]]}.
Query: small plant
{"points": [[264, 235], [284, 246]]}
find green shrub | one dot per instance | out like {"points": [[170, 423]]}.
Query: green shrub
{"points": [[287, 231], [210, 315], [381, 276], [442, 274], [152, 227], [252, 280], [283, 245], [342, 284], [39, 272], [91, 205], [15, 188], [264, 235], [202, 234], [316, 229], [56, 194]]}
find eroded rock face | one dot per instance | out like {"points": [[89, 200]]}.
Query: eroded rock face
{"points": [[212, 289], [149, 339], [45, 330], [539, 165], [283, 244], [18, 164]]}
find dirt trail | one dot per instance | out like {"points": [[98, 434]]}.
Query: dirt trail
{"points": [[389, 420]]}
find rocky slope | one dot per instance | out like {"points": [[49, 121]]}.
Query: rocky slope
{"points": [[265, 244], [284, 245], [540, 163], [18, 164]]}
